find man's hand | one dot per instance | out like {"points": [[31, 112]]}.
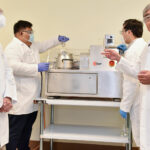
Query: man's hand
{"points": [[144, 76], [111, 54], [43, 66], [123, 114], [1, 11], [7, 104], [62, 38], [122, 47]]}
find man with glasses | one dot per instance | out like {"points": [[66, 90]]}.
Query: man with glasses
{"points": [[23, 56], [142, 64], [132, 33]]}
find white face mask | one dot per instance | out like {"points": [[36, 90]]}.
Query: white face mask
{"points": [[2, 20]]}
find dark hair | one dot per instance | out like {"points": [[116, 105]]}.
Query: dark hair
{"points": [[21, 24], [135, 26]]}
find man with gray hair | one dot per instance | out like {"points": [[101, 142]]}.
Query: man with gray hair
{"points": [[146, 14], [132, 31], [144, 78]]}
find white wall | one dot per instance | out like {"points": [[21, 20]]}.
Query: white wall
{"points": [[85, 22]]}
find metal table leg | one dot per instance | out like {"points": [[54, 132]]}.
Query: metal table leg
{"points": [[128, 126], [41, 124], [52, 122]]}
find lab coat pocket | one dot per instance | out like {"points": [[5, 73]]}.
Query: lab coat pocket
{"points": [[29, 58]]}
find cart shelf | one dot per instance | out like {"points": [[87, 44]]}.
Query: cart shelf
{"points": [[84, 133]]}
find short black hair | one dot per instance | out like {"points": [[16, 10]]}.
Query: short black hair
{"points": [[21, 24], [135, 26]]}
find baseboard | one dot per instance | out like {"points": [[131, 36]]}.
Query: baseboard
{"points": [[35, 145]]}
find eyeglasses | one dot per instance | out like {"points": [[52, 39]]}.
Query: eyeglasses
{"points": [[29, 31], [122, 31], [146, 18]]}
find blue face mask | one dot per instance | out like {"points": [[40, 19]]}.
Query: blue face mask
{"points": [[31, 38]]}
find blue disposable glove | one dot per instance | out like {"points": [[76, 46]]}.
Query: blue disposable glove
{"points": [[122, 47], [123, 114], [43, 66], [63, 38]]}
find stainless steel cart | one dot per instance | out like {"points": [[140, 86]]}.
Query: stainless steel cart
{"points": [[82, 133]]}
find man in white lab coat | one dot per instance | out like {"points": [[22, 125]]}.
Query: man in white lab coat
{"points": [[132, 32], [23, 56], [144, 77], [7, 92]]}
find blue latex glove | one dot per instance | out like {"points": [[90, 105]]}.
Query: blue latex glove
{"points": [[123, 114], [122, 47], [63, 38], [43, 66]]}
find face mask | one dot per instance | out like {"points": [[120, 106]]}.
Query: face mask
{"points": [[31, 38], [2, 20]]}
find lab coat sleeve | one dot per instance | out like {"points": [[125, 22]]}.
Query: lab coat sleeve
{"points": [[128, 68], [1, 96], [10, 88], [44, 46], [20, 68]]}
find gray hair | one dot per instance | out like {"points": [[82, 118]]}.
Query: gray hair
{"points": [[146, 9]]}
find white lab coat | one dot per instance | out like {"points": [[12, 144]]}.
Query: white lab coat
{"points": [[7, 89], [145, 105], [24, 61], [131, 101], [132, 70]]}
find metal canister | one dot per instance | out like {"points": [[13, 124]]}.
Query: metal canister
{"points": [[64, 60]]}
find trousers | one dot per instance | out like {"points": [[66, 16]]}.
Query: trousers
{"points": [[20, 128]]}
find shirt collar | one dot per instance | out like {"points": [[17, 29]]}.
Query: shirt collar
{"points": [[19, 41], [133, 41]]}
